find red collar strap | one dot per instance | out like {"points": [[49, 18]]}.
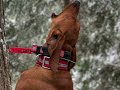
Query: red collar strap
{"points": [[44, 62], [43, 57]]}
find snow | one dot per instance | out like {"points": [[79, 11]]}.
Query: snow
{"points": [[12, 39], [0, 30], [48, 1], [1, 41], [13, 20], [117, 28], [112, 56], [90, 4]]}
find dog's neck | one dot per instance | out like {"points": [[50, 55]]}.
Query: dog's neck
{"points": [[67, 47], [44, 59]]}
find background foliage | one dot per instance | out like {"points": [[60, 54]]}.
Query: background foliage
{"points": [[98, 47]]}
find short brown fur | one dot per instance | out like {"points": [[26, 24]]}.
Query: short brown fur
{"points": [[63, 34]]}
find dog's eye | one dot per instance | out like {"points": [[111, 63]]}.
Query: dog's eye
{"points": [[55, 36]]}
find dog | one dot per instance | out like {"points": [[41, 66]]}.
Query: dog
{"points": [[60, 43]]}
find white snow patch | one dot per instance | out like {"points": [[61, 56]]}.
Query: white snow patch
{"points": [[48, 1], [34, 9], [86, 76], [92, 36], [12, 39], [1, 41], [117, 28], [117, 25], [12, 20], [76, 75], [113, 56], [0, 30], [92, 84], [90, 4], [4, 47]]}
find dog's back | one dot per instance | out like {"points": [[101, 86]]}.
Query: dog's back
{"points": [[38, 78]]}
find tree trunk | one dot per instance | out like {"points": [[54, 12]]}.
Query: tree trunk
{"points": [[4, 69]]}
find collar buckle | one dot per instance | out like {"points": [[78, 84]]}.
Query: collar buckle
{"points": [[45, 62]]}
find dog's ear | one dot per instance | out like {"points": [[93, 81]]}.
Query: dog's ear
{"points": [[54, 59], [78, 26], [73, 58], [53, 15], [73, 53]]}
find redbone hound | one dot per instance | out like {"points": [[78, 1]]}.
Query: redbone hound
{"points": [[61, 41]]}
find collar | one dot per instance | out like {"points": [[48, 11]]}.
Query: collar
{"points": [[43, 57]]}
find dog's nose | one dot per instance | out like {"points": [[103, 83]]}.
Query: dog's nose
{"points": [[77, 3]]}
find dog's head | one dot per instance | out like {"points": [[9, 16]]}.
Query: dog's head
{"points": [[63, 33]]}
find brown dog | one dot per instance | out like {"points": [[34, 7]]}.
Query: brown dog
{"points": [[63, 35]]}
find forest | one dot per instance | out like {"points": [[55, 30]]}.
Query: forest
{"points": [[27, 23]]}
